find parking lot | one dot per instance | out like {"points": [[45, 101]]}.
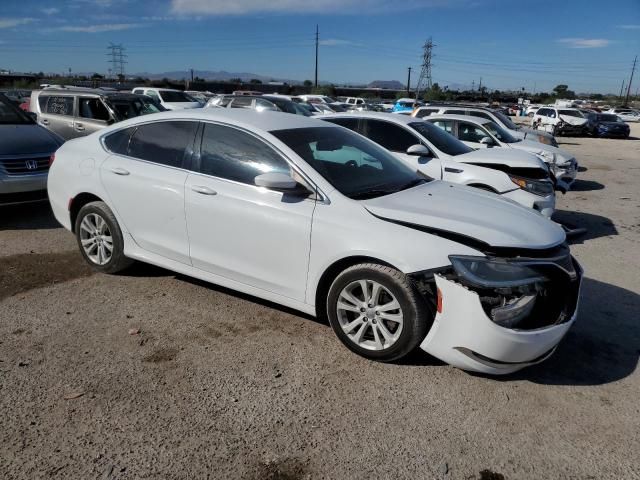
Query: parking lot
{"points": [[150, 374]]}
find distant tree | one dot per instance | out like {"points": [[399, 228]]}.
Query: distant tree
{"points": [[97, 76], [235, 80], [120, 78], [563, 91], [255, 81], [307, 83], [329, 90]]}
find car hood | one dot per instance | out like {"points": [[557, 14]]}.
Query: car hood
{"points": [[181, 105], [501, 156], [573, 120], [542, 149], [468, 212], [27, 139]]}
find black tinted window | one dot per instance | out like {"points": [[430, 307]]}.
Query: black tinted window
{"points": [[455, 112], [234, 155], [390, 136], [60, 106], [118, 142], [163, 142], [350, 123], [93, 108], [425, 112]]}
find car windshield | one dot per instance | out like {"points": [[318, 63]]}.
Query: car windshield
{"points": [[356, 167], [506, 121], [171, 96], [443, 141], [571, 113], [500, 133], [328, 100], [11, 115]]}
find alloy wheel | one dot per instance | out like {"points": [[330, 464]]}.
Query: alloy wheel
{"points": [[96, 239]]}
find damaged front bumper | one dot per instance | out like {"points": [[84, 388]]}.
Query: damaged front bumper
{"points": [[463, 334]]}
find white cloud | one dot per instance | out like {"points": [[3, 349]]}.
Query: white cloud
{"points": [[585, 42], [336, 42], [14, 22], [629, 27], [240, 7], [105, 27], [50, 11]]}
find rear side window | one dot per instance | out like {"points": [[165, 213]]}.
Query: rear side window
{"points": [[166, 143], [118, 142], [60, 106], [234, 155], [241, 102], [425, 112], [446, 125], [455, 112], [390, 136]]}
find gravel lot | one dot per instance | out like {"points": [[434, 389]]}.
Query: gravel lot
{"points": [[221, 385]]}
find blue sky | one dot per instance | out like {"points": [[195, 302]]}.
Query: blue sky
{"points": [[587, 44]]}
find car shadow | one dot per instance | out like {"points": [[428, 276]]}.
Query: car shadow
{"points": [[596, 225], [580, 185], [602, 347], [29, 216]]}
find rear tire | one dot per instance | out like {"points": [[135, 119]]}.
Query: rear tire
{"points": [[100, 238], [377, 312]]}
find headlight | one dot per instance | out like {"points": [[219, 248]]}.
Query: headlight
{"points": [[537, 187], [493, 273]]}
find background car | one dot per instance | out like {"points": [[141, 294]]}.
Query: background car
{"points": [[519, 176], [258, 103], [480, 133], [559, 121], [169, 98], [607, 125], [492, 114], [73, 113], [26, 150], [626, 114], [406, 105]]}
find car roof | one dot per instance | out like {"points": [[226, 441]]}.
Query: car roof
{"points": [[462, 118], [391, 117], [460, 105], [266, 121]]}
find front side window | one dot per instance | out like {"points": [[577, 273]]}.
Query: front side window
{"points": [[500, 133], [166, 143], [235, 155], [446, 125], [93, 109], [60, 106], [506, 121], [390, 136], [468, 132], [356, 167]]}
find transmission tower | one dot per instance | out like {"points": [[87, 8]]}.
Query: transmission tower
{"points": [[425, 81], [117, 58]]}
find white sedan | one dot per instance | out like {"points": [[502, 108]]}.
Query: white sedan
{"points": [[317, 218], [481, 133], [518, 176]]}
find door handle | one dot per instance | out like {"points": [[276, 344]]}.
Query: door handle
{"points": [[79, 127], [453, 170], [120, 171], [45, 121], [203, 190]]}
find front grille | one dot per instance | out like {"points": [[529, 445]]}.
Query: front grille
{"points": [[25, 166]]}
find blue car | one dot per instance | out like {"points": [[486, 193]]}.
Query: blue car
{"points": [[606, 125], [406, 105]]}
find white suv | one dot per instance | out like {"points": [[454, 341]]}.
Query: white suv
{"points": [[560, 121], [169, 98], [317, 218]]}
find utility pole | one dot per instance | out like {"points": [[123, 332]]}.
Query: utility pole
{"points": [[317, 42], [621, 89], [473, 85], [633, 69], [480, 85], [192, 75], [409, 81], [425, 80]]}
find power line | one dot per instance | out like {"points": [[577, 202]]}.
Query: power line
{"points": [[633, 69], [425, 81]]}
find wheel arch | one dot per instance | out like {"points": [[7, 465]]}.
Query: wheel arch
{"points": [[77, 203], [332, 271]]}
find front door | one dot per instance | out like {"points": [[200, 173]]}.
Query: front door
{"points": [[245, 233]]}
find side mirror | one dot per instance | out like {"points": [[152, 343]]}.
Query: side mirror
{"points": [[486, 141], [280, 182], [418, 151]]}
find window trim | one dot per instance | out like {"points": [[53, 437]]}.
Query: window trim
{"points": [[320, 196]]}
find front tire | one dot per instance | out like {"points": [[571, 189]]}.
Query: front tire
{"points": [[377, 312], [100, 238]]}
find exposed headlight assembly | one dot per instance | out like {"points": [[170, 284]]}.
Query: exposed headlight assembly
{"points": [[486, 272], [537, 187]]}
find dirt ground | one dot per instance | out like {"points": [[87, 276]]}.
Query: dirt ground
{"points": [[154, 375]]}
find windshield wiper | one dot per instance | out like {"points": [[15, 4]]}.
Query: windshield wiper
{"points": [[413, 183]]}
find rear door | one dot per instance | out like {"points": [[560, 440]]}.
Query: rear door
{"points": [[145, 179], [92, 115], [58, 114]]}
